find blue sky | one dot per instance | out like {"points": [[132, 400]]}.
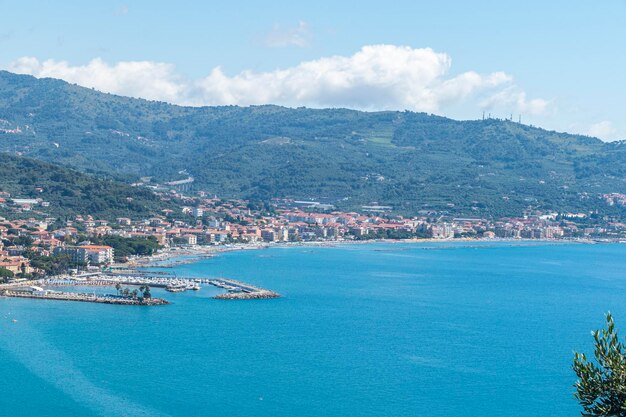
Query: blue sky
{"points": [[560, 64]]}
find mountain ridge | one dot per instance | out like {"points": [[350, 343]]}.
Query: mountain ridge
{"points": [[412, 161]]}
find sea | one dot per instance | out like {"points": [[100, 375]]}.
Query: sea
{"points": [[371, 330]]}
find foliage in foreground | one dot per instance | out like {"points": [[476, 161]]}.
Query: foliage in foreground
{"points": [[601, 387]]}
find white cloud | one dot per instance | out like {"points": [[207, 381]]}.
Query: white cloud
{"points": [[279, 37], [374, 78], [515, 100], [603, 130], [145, 79]]}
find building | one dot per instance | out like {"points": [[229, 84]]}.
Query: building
{"points": [[283, 234], [77, 255], [25, 201], [16, 264], [197, 212], [442, 231], [92, 254], [217, 236], [189, 239], [31, 290], [99, 255], [268, 235]]}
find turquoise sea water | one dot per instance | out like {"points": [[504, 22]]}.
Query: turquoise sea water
{"points": [[385, 330]]}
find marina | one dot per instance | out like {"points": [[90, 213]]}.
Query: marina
{"points": [[235, 290]]}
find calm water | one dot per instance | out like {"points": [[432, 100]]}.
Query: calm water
{"points": [[385, 330]]}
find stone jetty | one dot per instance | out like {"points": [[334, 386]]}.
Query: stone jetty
{"points": [[256, 295], [240, 291], [88, 298]]}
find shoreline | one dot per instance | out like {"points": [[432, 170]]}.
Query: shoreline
{"points": [[190, 255], [195, 254]]}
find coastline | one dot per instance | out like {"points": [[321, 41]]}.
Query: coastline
{"points": [[193, 254], [173, 257]]}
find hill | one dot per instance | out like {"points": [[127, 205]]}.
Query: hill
{"points": [[412, 161], [70, 192]]}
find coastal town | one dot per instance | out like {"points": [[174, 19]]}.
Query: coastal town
{"points": [[33, 245]]}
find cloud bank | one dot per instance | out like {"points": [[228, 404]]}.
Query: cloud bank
{"points": [[603, 129], [377, 77]]}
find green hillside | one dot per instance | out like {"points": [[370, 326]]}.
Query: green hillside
{"points": [[412, 161], [70, 192]]}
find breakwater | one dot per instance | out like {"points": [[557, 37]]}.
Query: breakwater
{"points": [[88, 298], [256, 295], [240, 291], [236, 290]]}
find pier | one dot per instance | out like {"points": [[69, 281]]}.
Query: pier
{"points": [[88, 298], [240, 290], [235, 290]]}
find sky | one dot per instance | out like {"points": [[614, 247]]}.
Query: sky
{"points": [[555, 64]]}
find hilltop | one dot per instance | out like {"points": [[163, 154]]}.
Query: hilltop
{"points": [[411, 161]]}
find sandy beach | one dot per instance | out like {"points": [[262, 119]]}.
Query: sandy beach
{"points": [[193, 254]]}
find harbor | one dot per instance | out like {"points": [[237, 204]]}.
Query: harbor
{"points": [[41, 289]]}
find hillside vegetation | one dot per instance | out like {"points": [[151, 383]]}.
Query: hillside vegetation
{"points": [[412, 161], [70, 192]]}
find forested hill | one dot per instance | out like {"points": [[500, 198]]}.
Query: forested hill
{"points": [[412, 161], [70, 192]]}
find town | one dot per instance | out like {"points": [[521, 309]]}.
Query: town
{"points": [[40, 246]]}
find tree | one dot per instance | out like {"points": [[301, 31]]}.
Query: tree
{"points": [[5, 274], [118, 287], [601, 385], [142, 290]]}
